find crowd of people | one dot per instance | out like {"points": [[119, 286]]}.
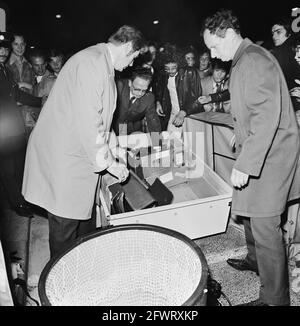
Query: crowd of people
{"points": [[70, 111]]}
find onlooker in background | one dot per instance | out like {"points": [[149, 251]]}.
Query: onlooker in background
{"points": [[265, 174], [56, 61], [72, 142], [204, 63], [20, 68], [135, 105], [177, 91], [215, 84], [13, 139], [145, 60], [283, 51], [44, 79], [189, 57], [295, 92], [23, 75], [152, 48]]}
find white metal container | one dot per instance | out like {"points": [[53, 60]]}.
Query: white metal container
{"points": [[201, 202]]}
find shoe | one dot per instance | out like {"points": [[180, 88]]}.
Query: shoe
{"points": [[24, 210], [254, 303], [241, 265]]}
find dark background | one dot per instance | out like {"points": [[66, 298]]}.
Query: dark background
{"points": [[88, 22]]}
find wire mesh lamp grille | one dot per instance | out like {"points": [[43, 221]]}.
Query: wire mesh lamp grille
{"points": [[129, 265]]}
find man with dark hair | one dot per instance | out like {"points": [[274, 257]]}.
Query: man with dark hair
{"points": [[283, 39], [12, 133], [215, 84], [18, 65], [177, 90], [72, 142], [265, 174], [23, 75], [204, 63], [55, 60], [44, 79], [136, 105], [283, 50]]}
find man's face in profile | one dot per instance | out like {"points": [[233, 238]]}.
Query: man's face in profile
{"points": [[126, 57], [220, 47]]}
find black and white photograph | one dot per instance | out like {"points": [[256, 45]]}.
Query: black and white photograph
{"points": [[149, 156]]}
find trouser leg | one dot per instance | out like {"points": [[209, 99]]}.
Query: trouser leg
{"points": [[11, 174], [87, 226], [250, 242], [271, 260], [62, 231]]}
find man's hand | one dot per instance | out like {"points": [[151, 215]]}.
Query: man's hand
{"points": [[44, 99], [179, 118], [23, 85], [118, 170], [204, 99], [239, 179], [159, 110], [295, 92]]}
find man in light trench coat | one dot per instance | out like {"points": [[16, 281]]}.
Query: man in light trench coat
{"points": [[72, 141], [266, 171]]}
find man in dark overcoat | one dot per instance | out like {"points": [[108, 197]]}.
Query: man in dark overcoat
{"points": [[266, 173]]}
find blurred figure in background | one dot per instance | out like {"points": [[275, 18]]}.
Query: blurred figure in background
{"points": [[204, 63], [295, 91], [189, 57], [13, 138], [23, 75], [20, 68], [44, 79], [283, 39], [215, 84], [177, 90], [55, 61]]}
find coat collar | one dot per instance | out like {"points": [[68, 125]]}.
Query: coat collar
{"points": [[13, 58], [104, 47], [245, 43]]}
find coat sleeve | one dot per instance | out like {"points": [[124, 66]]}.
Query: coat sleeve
{"points": [[25, 98], [89, 106], [192, 89], [261, 83], [152, 118], [220, 97]]}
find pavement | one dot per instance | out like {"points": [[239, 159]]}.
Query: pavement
{"points": [[29, 237]]}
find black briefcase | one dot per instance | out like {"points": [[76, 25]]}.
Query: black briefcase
{"points": [[131, 195]]}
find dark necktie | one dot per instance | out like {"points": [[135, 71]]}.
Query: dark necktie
{"points": [[219, 105], [3, 69]]}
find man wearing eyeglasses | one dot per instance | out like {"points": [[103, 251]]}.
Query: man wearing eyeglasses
{"points": [[136, 105]]}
